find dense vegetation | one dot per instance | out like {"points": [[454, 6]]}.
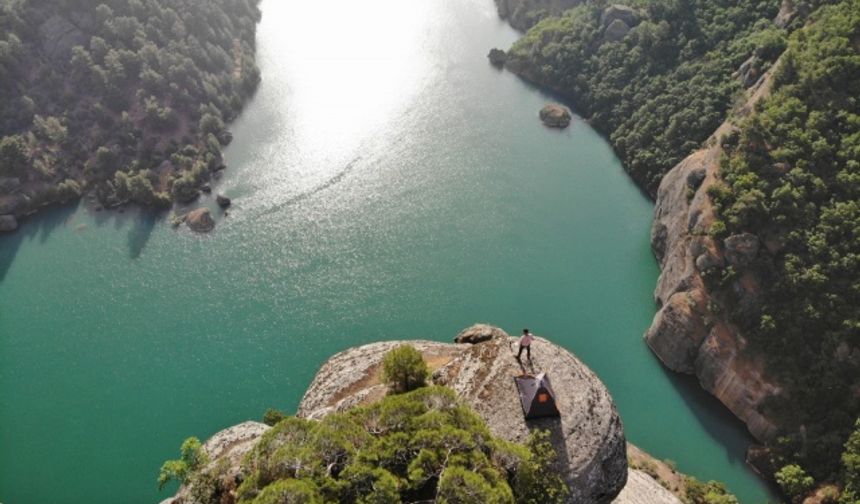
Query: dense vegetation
{"points": [[792, 177], [126, 97], [663, 89], [422, 445]]}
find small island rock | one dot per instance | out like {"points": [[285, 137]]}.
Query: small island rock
{"points": [[223, 201], [497, 57], [555, 115], [200, 220]]}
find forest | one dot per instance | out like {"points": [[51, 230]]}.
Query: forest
{"points": [[658, 88], [663, 89], [126, 99], [791, 176]]}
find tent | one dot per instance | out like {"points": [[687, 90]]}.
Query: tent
{"points": [[536, 396]]}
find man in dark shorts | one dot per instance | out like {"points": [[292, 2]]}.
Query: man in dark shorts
{"points": [[526, 343]]}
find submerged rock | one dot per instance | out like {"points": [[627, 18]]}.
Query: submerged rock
{"points": [[200, 220], [555, 115], [497, 57]]}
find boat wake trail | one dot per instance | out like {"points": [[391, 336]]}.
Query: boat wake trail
{"points": [[338, 177]]}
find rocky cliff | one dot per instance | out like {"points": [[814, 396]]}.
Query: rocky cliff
{"points": [[689, 333], [588, 437]]}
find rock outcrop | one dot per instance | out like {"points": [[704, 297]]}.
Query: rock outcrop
{"points": [[555, 115], [687, 334], [588, 437], [200, 220], [523, 14]]}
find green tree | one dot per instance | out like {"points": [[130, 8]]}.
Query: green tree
{"points": [[404, 369], [13, 156], [192, 457], [794, 481], [851, 464]]}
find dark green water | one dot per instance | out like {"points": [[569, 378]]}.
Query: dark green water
{"points": [[388, 183]]}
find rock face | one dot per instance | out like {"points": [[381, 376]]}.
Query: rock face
{"points": [[8, 223], [200, 220], [686, 334], [523, 14], [588, 437], [9, 184], [555, 115], [497, 57]]}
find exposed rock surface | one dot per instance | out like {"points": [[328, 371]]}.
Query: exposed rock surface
{"points": [[643, 489], [8, 223], [523, 14], [588, 437], [200, 220], [555, 115], [685, 334]]}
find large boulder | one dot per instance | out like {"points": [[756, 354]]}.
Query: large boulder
{"points": [[223, 201], [479, 333], [8, 223], [589, 436], [555, 115], [627, 15], [616, 31], [200, 220]]}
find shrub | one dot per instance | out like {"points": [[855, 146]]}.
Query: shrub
{"points": [[794, 481], [404, 369], [273, 416], [192, 457]]}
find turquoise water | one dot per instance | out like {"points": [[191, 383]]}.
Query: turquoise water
{"points": [[387, 183]]}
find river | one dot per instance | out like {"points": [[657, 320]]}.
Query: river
{"points": [[387, 183]]}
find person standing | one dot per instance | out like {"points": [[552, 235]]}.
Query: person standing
{"points": [[526, 343]]}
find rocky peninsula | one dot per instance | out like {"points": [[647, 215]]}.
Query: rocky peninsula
{"points": [[588, 438]]}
